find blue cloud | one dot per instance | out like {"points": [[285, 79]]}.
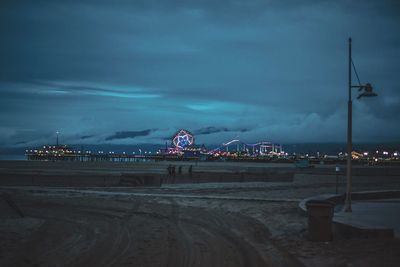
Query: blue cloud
{"points": [[130, 134], [261, 69]]}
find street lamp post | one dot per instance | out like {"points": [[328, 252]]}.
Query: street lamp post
{"points": [[349, 138], [367, 92]]}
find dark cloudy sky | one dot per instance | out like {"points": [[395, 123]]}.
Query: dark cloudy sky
{"points": [[125, 72]]}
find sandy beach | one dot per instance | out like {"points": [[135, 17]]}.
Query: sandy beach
{"points": [[187, 221]]}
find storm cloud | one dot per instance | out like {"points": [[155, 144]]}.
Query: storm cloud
{"points": [[129, 134], [264, 70], [214, 129]]}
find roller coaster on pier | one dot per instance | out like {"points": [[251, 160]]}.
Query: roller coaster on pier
{"points": [[262, 148]]}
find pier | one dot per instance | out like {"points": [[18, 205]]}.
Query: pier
{"points": [[88, 157]]}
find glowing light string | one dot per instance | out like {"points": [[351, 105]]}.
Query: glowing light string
{"points": [[183, 139]]}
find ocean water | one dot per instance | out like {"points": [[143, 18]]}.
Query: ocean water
{"points": [[12, 157]]}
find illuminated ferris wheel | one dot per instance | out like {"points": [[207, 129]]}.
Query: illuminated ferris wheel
{"points": [[183, 139]]}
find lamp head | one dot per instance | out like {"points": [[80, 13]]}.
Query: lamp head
{"points": [[368, 91]]}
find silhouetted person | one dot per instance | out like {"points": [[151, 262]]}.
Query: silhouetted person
{"points": [[169, 169], [173, 173], [173, 170], [180, 170], [190, 170]]}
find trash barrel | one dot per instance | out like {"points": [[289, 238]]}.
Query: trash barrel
{"points": [[320, 213]]}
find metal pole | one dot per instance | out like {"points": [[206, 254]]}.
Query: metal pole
{"points": [[337, 184], [337, 179], [349, 140]]}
